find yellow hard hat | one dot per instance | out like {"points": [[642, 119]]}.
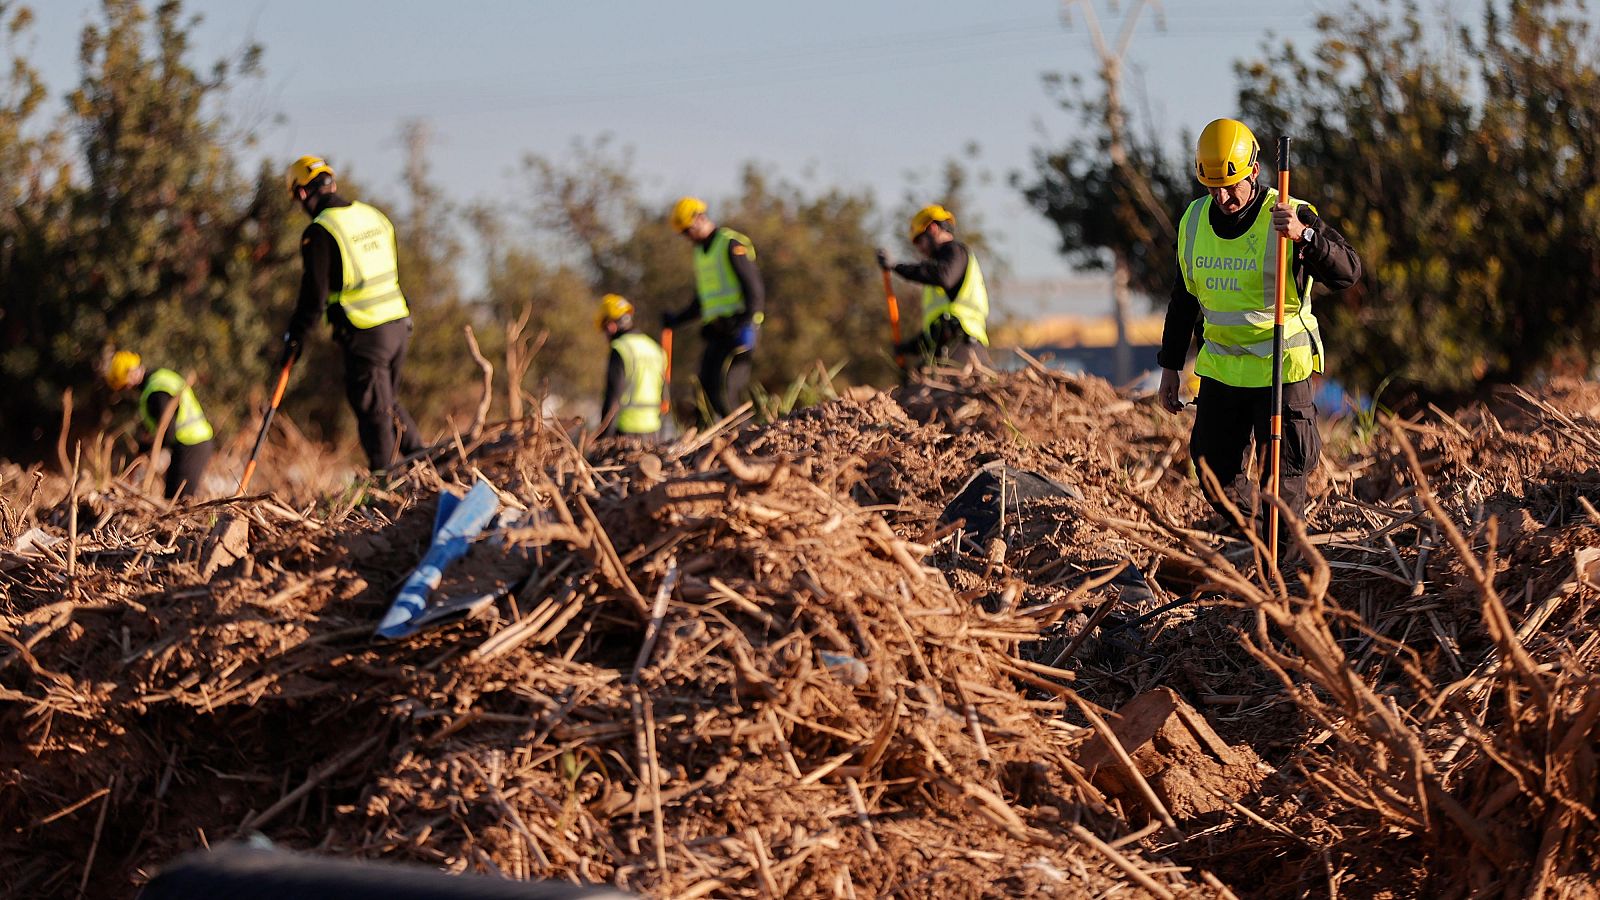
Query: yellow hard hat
{"points": [[928, 215], [612, 308], [684, 211], [1225, 153], [302, 170], [123, 362]]}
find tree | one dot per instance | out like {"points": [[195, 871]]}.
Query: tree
{"points": [[33, 208], [439, 368], [1472, 194], [156, 243]]}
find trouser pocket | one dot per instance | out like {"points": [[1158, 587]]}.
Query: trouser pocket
{"points": [[1302, 443]]}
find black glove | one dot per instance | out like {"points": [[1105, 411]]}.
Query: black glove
{"points": [[884, 262], [291, 349]]}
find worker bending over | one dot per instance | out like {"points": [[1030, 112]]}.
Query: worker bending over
{"points": [[188, 437], [636, 371], [351, 277], [955, 301], [729, 299], [1227, 278]]}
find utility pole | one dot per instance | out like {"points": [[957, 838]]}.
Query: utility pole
{"points": [[1116, 124]]}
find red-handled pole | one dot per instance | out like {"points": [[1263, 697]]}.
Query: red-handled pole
{"points": [[894, 317], [1275, 423], [266, 423], [666, 380]]}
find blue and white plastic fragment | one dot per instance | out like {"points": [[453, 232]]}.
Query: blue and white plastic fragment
{"points": [[456, 523]]}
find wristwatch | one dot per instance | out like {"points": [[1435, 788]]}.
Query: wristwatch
{"points": [[1307, 235]]}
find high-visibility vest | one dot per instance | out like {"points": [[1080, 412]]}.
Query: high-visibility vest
{"points": [[714, 278], [1236, 282], [189, 425], [970, 307], [370, 289], [644, 368]]}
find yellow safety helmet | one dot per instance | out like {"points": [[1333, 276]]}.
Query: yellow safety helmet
{"points": [[684, 211], [612, 308], [123, 362], [304, 169], [1225, 153], [928, 215]]}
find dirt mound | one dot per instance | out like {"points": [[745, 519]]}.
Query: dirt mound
{"points": [[757, 663]]}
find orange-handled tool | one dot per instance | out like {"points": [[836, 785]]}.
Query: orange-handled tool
{"points": [[894, 317], [266, 422], [666, 380]]}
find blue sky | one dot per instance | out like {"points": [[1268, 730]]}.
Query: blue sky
{"points": [[859, 94]]}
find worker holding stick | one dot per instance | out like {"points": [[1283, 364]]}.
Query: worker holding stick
{"points": [[352, 278], [955, 300], [1227, 279]]}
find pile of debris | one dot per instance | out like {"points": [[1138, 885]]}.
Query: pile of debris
{"points": [[870, 649]]}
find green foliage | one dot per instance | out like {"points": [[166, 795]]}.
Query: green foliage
{"points": [[439, 371], [155, 242], [811, 387], [1471, 189]]}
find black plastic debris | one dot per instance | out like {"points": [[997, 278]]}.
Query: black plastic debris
{"points": [[997, 489]]}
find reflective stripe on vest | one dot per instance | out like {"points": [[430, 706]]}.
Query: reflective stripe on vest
{"points": [[970, 308], [370, 291], [1236, 282], [189, 425], [644, 368], [714, 279]]}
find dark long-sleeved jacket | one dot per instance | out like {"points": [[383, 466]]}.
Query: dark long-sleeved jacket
{"points": [[946, 269], [1326, 257]]}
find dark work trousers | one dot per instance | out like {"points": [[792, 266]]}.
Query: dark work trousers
{"points": [[724, 369], [373, 358], [186, 467], [946, 339], [1226, 420]]}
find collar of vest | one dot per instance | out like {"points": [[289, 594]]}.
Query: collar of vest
{"points": [[1232, 226]]}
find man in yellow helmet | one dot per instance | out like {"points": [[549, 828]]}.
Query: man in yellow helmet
{"points": [[729, 300], [1227, 284], [955, 300], [636, 371], [188, 438], [351, 277]]}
